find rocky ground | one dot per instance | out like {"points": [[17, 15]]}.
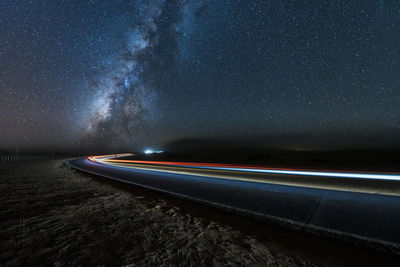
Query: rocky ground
{"points": [[53, 215]]}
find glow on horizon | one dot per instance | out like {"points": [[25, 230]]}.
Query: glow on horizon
{"points": [[151, 151]]}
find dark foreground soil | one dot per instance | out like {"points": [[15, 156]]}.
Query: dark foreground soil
{"points": [[53, 215]]}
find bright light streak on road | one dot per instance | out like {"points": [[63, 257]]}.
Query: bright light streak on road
{"points": [[112, 159], [314, 198]]}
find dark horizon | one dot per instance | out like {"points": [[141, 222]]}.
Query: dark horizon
{"points": [[224, 144]]}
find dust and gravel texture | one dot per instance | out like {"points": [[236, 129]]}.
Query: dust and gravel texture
{"points": [[53, 215]]}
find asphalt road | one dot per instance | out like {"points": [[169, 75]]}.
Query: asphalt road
{"points": [[359, 206]]}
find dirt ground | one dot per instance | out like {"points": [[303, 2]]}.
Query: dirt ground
{"points": [[53, 215]]}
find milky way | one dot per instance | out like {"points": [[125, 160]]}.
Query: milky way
{"points": [[125, 104], [128, 74]]}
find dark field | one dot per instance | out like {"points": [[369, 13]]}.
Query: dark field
{"points": [[53, 215]]}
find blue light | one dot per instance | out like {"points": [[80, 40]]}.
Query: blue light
{"points": [[148, 151], [151, 151]]}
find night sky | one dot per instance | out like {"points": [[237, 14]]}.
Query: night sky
{"points": [[126, 75]]}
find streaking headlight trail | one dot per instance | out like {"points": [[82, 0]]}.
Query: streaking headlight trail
{"points": [[356, 204], [112, 159]]}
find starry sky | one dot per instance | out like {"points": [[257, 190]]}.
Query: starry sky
{"points": [[128, 74]]}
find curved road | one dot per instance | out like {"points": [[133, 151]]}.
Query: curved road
{"points": [[354, 205]]}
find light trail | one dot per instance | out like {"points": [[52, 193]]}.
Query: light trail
{"points": [[112, 159], [314, 199], [103, 158]]}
